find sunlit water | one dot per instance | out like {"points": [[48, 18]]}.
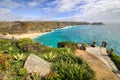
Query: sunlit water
{"points": [[84, 33]]}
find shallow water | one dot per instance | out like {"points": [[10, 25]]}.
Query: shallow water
{"points": [[84, 33]]}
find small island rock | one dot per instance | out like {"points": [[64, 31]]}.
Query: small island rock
{"points": [[97, 23]]}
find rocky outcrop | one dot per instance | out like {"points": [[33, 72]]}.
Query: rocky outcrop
{"points": [[34, 64]]}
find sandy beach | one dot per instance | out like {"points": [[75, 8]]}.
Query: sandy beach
{"points": [[25, 35], [30, 35]]}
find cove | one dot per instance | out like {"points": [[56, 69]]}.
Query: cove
{"points": [[83, 33]]}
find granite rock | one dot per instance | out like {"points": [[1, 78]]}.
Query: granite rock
{"points": [[35, 64]]}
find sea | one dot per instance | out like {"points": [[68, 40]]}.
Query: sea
{"points": [[84, 34]]}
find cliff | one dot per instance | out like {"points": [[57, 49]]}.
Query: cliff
{"points": [[19, 27]]}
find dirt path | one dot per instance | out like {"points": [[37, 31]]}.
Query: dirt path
{"points": [[101, 70], [100, 53]]}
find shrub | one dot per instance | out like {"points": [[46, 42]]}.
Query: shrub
{"points": [[65, 71], [116, 59], [67, 44], [22, 71], [66, 66], [49, 56], [4, 44], [4, 33], [2, 62], [24, 41], [19, 57]]}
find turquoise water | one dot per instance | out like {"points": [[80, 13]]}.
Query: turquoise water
{"points": [[84, 33]]}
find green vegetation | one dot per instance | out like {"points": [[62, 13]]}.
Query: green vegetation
{"points": [[67, 44], [84, 44], [65, 66], [19, 27], [115, 58], [22, 71]]}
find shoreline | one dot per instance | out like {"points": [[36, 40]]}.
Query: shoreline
{"points": [[30, 35]]}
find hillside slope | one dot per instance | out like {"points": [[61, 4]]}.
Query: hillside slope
{"points": [[19, 27]]}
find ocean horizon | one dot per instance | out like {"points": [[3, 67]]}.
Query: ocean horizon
{"points": [[83, 34]]}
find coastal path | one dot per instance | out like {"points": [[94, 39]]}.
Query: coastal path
{"points": [[101, 53]]}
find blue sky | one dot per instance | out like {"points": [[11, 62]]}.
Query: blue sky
{"points": [[60, 10]]}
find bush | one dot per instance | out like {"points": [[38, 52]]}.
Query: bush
{"points": [[116, 59], [24, 41], [49, 56], [2, 62], [4, 33], [66, 66], [22, 71], [67, 44], [4, 44], [65, 71]]}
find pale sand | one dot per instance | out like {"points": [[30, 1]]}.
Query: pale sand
{"points": [[30, 35], [25, 35]]}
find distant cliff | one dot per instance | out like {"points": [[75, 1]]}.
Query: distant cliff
{"points": [[19, 27]]}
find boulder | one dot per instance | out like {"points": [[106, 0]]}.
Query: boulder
{"points": [[35, 64]]}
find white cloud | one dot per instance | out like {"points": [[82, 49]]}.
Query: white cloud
{"points": [[6, 7], [15, 17], [34, 3], [4, 10], [103, 10], [92, 10], [9, 4], [84, 10], [66, 5]]}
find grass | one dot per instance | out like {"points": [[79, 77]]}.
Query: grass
{"points": [[115, 58]]}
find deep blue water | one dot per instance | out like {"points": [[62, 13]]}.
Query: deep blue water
{"points": [[84, 33]]}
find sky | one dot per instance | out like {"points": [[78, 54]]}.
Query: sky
{"points": [[60, 10]]}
